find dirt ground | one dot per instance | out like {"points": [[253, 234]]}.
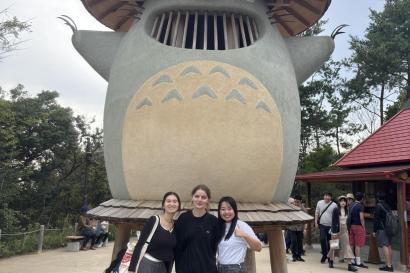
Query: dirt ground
{"points": [[95, 261]]}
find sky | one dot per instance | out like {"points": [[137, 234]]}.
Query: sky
{"points": [[48, 61]]}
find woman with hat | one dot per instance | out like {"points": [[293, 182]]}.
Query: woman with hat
{"points": [[339, 231]]}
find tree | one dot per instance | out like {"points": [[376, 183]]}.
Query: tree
{"points": [[11, 29], [382, 58], [396, 106], [42, 160]]}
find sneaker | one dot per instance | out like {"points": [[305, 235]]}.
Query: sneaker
{"points": [[387, 268], [294, 259], [323, 260], [362, 265], [300, 259], [351, 268], [331, 264]]}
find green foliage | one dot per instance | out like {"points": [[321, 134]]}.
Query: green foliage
{"points": [[10, 30], [320, 159], [381, 60], [326, 104], [46, 156], [396, 106]]}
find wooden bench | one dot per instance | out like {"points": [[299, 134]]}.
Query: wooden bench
{"points": [[74, 243]]}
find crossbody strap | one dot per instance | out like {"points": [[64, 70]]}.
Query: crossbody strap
{"points": [[147, 242], [320, 216]]}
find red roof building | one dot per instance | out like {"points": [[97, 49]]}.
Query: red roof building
{"points": [[379, 163], [390, 144]]}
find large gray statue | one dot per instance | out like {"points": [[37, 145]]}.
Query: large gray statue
{"points": [[203, 92]]}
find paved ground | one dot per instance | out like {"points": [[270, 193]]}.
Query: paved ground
{"points": [[94, 261]]}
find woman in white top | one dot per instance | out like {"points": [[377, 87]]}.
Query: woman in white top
{"points": [[238, 237]]}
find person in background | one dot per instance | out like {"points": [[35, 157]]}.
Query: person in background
{"points": [[291, 201], [356, 226], [101, 231], [383, 239], [350, 199], [238, 237], [85, 229], [339, 231], [296, 235], [323, 221]]}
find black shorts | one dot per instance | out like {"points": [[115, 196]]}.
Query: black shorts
{"points": [[383, 239]]}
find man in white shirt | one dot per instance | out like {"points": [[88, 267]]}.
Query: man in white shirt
{"points": [[323, 221]]}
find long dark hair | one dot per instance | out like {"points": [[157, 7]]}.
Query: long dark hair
{"points": [[233, 205], [169, 194], [340, 207]]}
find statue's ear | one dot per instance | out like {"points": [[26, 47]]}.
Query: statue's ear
{"points": [[98, 48], [308, 54]]}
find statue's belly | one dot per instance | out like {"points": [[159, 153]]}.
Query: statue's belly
{"points": [[202, 122]]}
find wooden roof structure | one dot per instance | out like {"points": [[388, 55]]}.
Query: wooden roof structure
{"points": [[390, 144], [383, 173], [291, 16], [256, 214]]}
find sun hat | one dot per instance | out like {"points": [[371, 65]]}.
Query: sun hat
{"points": [[350, 196]]}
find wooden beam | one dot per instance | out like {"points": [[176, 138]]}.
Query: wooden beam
{"points": [[235, 34], [185, 29], [194, 38], [277, 253], [244, 42], [402, 212], [309, 6], [91, 3], [250, 261], [110, 10], [298, 16], [168, 29], [126, 17], [308, 239], [283, 24], [161, 26], [122, 237], [174, 38], [248, 24], [225, 32]]}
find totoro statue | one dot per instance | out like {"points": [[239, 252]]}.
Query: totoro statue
{"points": [[203, 91]]}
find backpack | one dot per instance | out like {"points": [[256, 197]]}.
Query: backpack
{"points": [[392, 223]]}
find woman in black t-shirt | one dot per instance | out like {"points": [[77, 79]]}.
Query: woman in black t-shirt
{"points": [[197, 234], [159, 255]]}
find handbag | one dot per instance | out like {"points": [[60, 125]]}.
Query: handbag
{"points": [[334, 244], [123, 266]]}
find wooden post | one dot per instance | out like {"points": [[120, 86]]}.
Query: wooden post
{"points": [[402, 212], [250, 263], [122, 236], [373, 257], [308, 239], [277, 251], [40, 240]]}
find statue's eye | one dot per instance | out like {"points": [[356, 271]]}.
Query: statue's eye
{"points": [[205, 30]]}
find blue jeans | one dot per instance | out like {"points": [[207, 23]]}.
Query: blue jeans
{"points": [[324, 239]]}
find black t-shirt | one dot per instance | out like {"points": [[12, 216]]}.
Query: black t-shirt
{"points": [[161, 246], [354, 211], [379, 220], [197, 243]]}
